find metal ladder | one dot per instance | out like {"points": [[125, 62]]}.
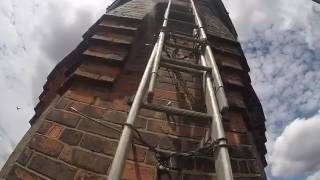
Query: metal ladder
{"points": [[215, 97]]}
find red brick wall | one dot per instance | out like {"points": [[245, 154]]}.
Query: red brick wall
{"points": [[99, 79]]}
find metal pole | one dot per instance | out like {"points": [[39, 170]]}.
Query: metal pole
{"points": [[222, 162], [158, 54], [120, 157], [220, 93], [317, 1]]}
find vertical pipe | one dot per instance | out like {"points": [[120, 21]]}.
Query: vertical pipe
{"points": [[222, 162], [220, 93], [120, 157], [158, 55]]}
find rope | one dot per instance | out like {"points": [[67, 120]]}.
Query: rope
{"points": [[177, 77], [162, 158]]}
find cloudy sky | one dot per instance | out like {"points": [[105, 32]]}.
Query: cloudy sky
{"points": [[34, 36], [280, 38]]}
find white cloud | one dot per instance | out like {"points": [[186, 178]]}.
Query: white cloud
{"points": [[281, 42], [315, 176], [283, 77], [35, 35], [297, 149], [280, 39], [252, 15]]}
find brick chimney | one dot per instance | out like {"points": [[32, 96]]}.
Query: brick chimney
{"points": [[100, 77]]}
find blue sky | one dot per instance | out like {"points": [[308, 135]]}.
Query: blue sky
{"points": [[281, 42], [280, 39]]}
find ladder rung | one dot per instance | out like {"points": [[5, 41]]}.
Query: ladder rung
{"points": [[180, 68], [181, 33], [176, 111], [186, 8], [182, 22], [184, 12], [179, 46], [184, 37], [186, 64], [181, 15]]}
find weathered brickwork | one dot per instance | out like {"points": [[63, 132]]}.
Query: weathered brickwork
{"points": [[99, 79]]}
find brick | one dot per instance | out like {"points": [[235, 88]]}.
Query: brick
{"points": [[189, 145], [85, 175], [181, 103], [204, 165], [151, 139], [150, 158], [237, 139], [171, 175], [243, 167], [55, 131], [236, 121], [63, 103], [116, 100], [64, 118], [198, 177], [192, 85], [44, 127], [85, 74], [100, 102], [113, 37], [235, 99], [71, 136], [166, 86], [51, 168], [91, 111], [107, 53], [18, 173], [80, 96], [176, 161], [90, 161], [163, 94], [152, 114], [66, 154], [120, 105], [164, 102], [24, 156], [177, 144], [138, 172], [241, 152], [228, 61], [170, 143], [249, 178], [121, 117], [112, 72], [94, 127], [176, 129], [99, 145], [185, 76], [235, 166], [233, 78], [46, 145], [126, 85], [253, 166], [137, 154], [182, 162], [189, 121]]}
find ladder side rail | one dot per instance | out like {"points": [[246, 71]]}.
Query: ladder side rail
{"points": [[118, 163], [220, 93], [222, 161], [156, 63]]}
